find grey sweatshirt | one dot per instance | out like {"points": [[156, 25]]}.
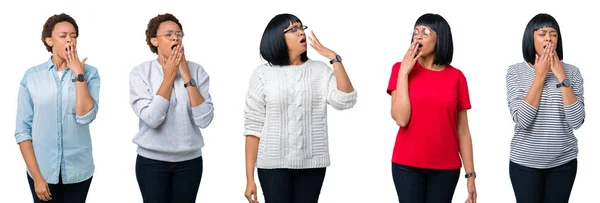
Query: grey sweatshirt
{"points": [[169, 129]]}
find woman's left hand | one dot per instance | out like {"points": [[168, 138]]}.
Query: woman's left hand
{"points": [[324, 51], [472, 191], [73, 59]]}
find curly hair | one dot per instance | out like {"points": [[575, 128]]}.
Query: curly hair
{"points": [[51, 22], [153, 25]]}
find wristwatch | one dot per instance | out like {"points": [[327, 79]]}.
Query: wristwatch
{"points": [[565, 83], [192, 83], [337, 58], [79, 78], [472, 174]]}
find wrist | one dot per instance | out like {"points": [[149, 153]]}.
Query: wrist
{"points": [[186, 77], [561, 77], [403, 74], [76, 71], [332, 56]]}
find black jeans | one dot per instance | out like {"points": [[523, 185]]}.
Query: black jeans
{"points": [[164, 182], [551, 185], [417, 185], [67, 193], [291, 185]]}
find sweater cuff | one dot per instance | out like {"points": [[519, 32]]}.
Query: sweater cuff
{"points": [[252, 133]]}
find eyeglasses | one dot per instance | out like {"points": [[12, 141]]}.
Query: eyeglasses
{"points": [[425, 31], [171, 34], [295, 29]]}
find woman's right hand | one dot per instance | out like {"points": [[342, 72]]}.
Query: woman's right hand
{"points": [[251, 192], [170, 66], [543, 62], [42, 190], [410, 58]]}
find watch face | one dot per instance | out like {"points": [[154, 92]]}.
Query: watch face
{"points": [[338, 57], [80, 78], [193, 82], [567, 83]]}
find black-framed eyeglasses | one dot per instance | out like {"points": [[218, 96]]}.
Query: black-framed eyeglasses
{"points": [[172, 35], [295, 29]]}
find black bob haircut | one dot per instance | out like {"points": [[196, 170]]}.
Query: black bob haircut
{"points": [[541, 20], [272, 45], [444, 47]]}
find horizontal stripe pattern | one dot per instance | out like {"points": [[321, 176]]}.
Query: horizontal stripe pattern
{"points": [[543, 137]]}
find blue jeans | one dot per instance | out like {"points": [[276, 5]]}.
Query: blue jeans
{"points": [[291, 185], [552, 185], [417, 185], [164, 182], [67, 193]]}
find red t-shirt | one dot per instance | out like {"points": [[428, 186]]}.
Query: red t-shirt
{"points": [[430, 139]]}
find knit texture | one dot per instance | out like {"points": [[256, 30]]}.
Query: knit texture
{"points": [[286, 107]]}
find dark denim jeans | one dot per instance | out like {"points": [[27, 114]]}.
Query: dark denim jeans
{"points": [[551, 185], [164, 182], [417, 185], [291, 185], [63, 193]]}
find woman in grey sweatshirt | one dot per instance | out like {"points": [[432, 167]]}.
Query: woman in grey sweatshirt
{"points": [[170, 96]]}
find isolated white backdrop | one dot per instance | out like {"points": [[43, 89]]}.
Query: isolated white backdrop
{"points": [[371, 36]]}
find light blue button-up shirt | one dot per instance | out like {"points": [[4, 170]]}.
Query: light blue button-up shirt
{"points": [[46, 116]]}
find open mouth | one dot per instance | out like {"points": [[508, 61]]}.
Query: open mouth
{"points": [[173, 46], [303, 40]]}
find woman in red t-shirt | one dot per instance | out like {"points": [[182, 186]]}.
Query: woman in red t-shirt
{"points": [[430, 99]]}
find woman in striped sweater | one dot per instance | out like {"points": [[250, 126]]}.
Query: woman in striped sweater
{"points": [[545, 98]]}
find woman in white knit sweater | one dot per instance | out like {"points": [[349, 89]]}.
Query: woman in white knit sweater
{"points": [[286, 113]]}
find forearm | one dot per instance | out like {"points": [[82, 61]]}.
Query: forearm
{"points": [[195, 97], [568, 96], [401, 101], [534, 95], [342, 79], [83, 100], [165, 88], [26, 148], [466, 152], [251, 153]]}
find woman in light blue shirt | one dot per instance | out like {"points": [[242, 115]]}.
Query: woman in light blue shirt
{"points": [[57, 101]]}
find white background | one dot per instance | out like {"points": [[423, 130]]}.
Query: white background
{"points": [[224, 37]]}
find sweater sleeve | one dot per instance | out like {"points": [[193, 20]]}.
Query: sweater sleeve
{"points": [[150, 108], [255, 110], [522, 113], [575, 113], [337, 99], [203, 114]]}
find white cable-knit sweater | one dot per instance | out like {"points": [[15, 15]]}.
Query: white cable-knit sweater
{"points": [[286, 107]]}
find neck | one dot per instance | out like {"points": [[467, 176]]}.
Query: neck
{"points": [[61, 64], [162, 58], [295, 59], [427, 62]]}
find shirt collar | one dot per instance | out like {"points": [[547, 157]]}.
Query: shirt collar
{"points": [[50, 64]]}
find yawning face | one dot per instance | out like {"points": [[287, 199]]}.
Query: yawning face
{"points": [[295, 38], [544, 37], [63, 35], [426, 39], [168, 37]]}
